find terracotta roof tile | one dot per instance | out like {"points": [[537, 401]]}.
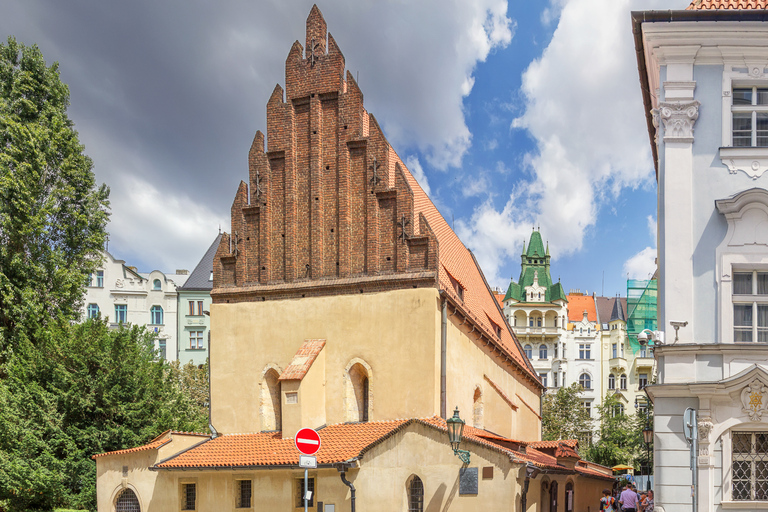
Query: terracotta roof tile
{"points": [[728, 4], [572, 443], [152, 445], [303, 360], [338, 443], [458, 263], [576, 306], [564, 450]]}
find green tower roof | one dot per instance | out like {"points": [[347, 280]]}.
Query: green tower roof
{"points": [[535, 264]]}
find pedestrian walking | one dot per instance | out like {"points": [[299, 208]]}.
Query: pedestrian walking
{"points": [[607, 502], [628, 499]]}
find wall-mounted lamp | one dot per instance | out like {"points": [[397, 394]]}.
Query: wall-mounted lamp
{"points": [[455, 431]]}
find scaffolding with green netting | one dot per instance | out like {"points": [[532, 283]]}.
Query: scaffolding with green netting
{"points": [[641, 308]]}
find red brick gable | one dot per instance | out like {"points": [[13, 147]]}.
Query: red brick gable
{"points": [[327, 203], [330, 208]]}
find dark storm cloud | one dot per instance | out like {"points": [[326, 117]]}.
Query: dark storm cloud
{"points": [[167, 95]]}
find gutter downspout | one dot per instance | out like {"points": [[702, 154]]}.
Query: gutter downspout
{"points": [[443, 364], [214, 432], [351, 488]]}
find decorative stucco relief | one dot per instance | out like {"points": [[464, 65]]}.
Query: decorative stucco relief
{"points": [[754, 399], [752, 161], [678, 119], [705, 427]]}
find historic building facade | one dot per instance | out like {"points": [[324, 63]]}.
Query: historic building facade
{"points": [[121, 294], [343, 301], [704, 78], [194, 310]]}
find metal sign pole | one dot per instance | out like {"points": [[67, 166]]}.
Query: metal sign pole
{"points": [[691, 432], [306, 471]]}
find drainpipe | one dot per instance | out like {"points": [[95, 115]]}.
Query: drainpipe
{"points": [[348, 484], [214, 432], [443, 345]]}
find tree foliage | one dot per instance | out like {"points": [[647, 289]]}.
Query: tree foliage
{"points": [[563, 416], [52, 213], [620, 437], [67, 390]]}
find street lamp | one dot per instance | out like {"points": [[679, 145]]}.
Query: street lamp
{"points": [[455, 431], [648, 439]]}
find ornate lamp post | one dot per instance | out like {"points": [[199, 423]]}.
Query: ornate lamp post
{"points": [[648, 440], [455, 431]]}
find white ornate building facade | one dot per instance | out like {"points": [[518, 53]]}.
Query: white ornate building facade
{"points": [[123, 295], [704, 78]]}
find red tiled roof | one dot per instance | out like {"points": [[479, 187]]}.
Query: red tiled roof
{"points": [[728, 4], [576, 306], [303, 360], [457, 262], [154, 444], [499, 298], [338, 443], [564, 450], [571, 443]]}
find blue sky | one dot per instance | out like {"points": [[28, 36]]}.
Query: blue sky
{"points": [[512, 114]]}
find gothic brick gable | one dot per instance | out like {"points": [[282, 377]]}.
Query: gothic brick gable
{"points": [[328, 208]]}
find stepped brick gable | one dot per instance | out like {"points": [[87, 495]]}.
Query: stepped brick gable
{"points": [[328, 205]]}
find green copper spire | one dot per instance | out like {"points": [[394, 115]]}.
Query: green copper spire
{"points": [[535, 266]]}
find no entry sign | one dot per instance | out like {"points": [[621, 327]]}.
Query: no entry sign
{"points": [[307, 441]]}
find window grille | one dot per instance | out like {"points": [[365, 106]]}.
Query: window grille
{"points": [[416, 495], [243, 494], [127, 502], [300, 494], [750, 466], [188, 497]]}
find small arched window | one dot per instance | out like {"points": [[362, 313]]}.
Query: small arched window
{"points": [[585, 381], [358, 393], [415, 495], [127, 502], [156, 315], [156, 285], [623, 381], [611, 382], [529, 352], [270, 401], [542, 351], [569, 497]]}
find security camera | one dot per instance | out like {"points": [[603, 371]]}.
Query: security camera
{"points": [[642, 338]]}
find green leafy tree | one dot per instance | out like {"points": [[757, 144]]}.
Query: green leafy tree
{"points": [[85, 390], [67, 390], [617, 441], [52, 214], [563, 415]]}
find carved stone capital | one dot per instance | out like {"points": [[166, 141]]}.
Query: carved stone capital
{"points": [[705, 427], [678, 119]]}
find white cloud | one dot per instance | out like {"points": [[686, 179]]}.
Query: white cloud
{"points": [[438, 41], [584, 109], [652, 228], [642, 265], [143, 215], [413, 165]]}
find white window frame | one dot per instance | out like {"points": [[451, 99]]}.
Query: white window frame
{"points": [[196, 334]]}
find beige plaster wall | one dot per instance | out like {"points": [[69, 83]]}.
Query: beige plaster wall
{"points": [[397, 333], [468, 362]]}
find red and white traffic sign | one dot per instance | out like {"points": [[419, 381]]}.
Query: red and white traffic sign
{"points": [[307, 441]]}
